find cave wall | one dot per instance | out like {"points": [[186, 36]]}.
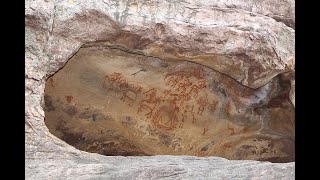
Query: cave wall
{"points": [[112, 102], [252, 36]]}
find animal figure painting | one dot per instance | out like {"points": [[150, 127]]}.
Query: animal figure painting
{"points": [[184, 98]]}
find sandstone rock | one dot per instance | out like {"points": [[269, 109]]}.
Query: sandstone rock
{"points": [[232, 37], [113, 102], [250, 42], [155, 167], [292, 92]]}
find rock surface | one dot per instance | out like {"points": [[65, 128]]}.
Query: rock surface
{"points": [[250, 42], [156, 167], [113, 102]]}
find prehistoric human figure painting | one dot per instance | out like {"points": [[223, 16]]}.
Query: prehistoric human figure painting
{"points": [[184, 98], [119, 103]]}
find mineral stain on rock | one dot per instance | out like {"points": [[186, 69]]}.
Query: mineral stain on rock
{"points": [[48, 106], [128, 104]]}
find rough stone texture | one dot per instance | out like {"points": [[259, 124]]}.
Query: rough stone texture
{"points": [[113, 102], [91, 166], [249, 42], [222, 38], [292, 92]]}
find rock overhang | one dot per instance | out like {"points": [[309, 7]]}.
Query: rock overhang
{"points": [[48, 46]]}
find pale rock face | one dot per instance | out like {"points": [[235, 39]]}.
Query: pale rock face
{"points": [[250, 42], [292, 92], [199, 34]]}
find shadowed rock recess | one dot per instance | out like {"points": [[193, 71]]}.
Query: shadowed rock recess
{"points": [[174, 86], [114, 102]]}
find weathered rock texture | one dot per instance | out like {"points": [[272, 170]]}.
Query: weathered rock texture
{"points": [[92, 166], [251, 42], [117, 103]]}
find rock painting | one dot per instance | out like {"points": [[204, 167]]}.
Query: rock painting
{"points": [[185, 97]]}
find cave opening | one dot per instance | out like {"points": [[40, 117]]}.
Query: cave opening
{"points": [[115, 102]]}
